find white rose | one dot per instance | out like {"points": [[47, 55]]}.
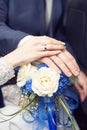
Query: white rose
{"points": [[24, 74], [45, 81]]}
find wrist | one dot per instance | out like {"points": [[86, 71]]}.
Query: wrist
{"points": [[13, 58], [6, 71], [22, 41]]}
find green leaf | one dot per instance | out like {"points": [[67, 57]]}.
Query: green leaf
{"points": [[73, 79], [68, 112]]}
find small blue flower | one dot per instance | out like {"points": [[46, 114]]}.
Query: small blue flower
{"points": [[17, 68], [27, 87], [63, 83], [42, 65]]}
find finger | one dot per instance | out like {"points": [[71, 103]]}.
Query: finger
{"points": [[70, 65], [72, 59], [55, 47], [49, 47], [81, 92], [49, 40], [84, 88], [49, 53], [50, 63], [61, 65]]}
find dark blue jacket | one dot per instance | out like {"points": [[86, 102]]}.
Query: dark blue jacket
{"points": [[19, 18], [77, 30]]}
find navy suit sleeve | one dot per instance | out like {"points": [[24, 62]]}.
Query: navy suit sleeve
{"points": [[9, 38]]}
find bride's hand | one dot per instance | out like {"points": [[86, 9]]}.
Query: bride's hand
{"points": [[32, 48], [36, 47]]}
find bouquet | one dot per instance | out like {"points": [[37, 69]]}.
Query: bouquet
{"points": [[43, 88], [45, 96]]}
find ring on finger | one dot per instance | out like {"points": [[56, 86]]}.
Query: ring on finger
{"points": [[44, 47]]}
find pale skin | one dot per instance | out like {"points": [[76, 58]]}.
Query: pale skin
{"points": [[81, 85], [32, 50], [62, 61]]}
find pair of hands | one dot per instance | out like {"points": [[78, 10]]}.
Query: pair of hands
{"points": [[55, 56], [53, 53]]}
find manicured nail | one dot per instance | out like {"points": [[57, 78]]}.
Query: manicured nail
{"points": [[76, 73], [63, 43], [59, 51]]}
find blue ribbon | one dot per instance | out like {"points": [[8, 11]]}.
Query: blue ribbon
{"points": [[45, 115], [47, 111], [72, 99]]}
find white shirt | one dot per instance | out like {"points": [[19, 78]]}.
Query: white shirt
{"points": [[48, 11]]}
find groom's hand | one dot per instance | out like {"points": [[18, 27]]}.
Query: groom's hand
{"points": [[63, 62]]}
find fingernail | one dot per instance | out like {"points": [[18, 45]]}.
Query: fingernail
{"points": [[63, 43], [76, 73], [59, 51], [69, 74]]}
